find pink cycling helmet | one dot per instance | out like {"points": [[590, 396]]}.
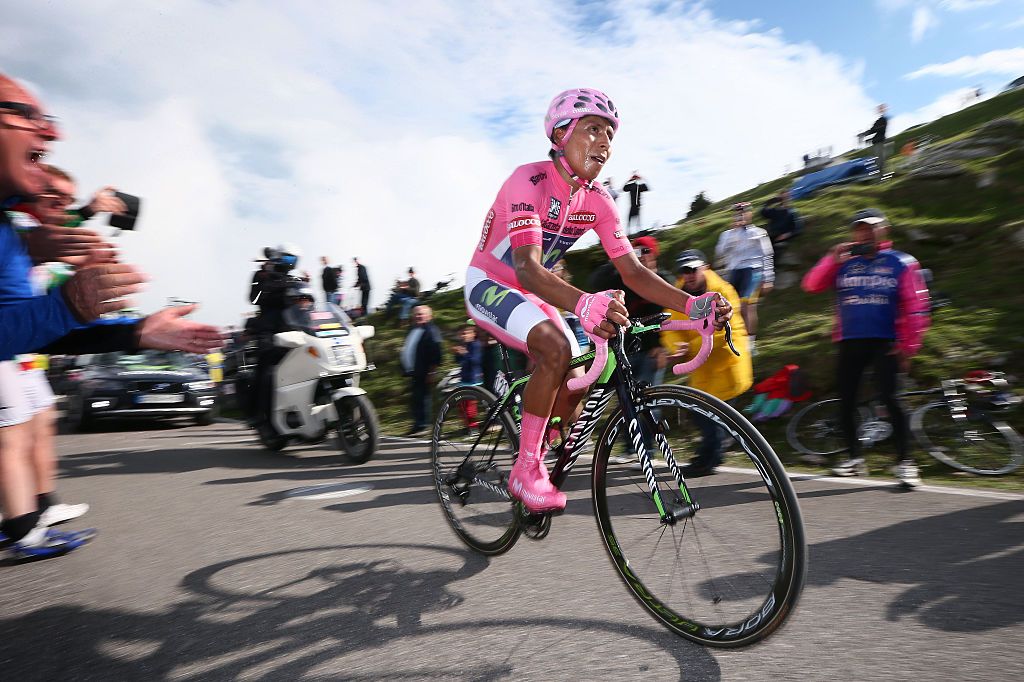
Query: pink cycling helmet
{"points": [[575, 104]]}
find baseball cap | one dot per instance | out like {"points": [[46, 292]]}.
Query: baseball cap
{"points": [[691, 258], [871, 216], [646, 242]]}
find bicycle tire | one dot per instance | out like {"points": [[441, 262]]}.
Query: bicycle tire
{"points": [[473, 491], [965, 448], [758, 600], [819, 422]]}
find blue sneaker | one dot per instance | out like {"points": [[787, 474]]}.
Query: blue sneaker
{"points": [[50, 543]]}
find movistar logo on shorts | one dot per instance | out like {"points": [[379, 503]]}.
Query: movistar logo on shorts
{"points": [[494, 296]]}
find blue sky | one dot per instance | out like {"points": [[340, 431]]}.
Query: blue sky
{"points": [[878, 34], [383, 128]]}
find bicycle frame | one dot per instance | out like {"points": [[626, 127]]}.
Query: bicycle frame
{"points": [[616, 379]]}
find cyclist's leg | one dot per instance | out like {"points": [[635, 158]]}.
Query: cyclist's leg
{"points": [[886, 373], [508, 315], [567, 403], [850, 368]]}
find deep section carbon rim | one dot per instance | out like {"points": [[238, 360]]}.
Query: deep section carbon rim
{"points": [[732, 572], [976, 445], [471, 462]]}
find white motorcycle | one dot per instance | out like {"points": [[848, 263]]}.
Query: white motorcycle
{"points": [[316, 383]]}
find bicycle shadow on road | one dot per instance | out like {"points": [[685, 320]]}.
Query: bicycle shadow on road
{"points": [[352, 611], [962, 568]]}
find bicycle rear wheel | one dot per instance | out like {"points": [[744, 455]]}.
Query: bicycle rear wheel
{"points": [[731, 573], [472, 458], [818, 430], [977, 445]]}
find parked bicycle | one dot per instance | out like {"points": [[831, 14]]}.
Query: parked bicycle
{"points": [[962, 428], [720, 560]]}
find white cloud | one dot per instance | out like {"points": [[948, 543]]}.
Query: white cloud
{"points": [[946, 103], [923, 21], [1016, 23], [384, 129], [1009, 62], [966, 5]]}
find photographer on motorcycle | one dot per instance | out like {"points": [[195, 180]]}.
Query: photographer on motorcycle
{"points": [[268, 291]]}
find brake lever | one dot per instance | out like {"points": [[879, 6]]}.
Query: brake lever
{"points": [[728, 338]]}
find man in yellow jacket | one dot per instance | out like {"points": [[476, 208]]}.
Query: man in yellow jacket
{"points": [[723, 375]]}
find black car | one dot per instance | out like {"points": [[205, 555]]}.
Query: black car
{"points": [[144, 385]]}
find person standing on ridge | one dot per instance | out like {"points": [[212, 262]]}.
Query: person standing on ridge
{"points": [[635, 187]]}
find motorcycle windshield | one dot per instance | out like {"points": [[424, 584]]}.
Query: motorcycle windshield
{"points": [[318, 319]]}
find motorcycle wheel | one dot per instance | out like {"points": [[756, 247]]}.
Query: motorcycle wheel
{"points": [[270, 438], [357, 428]]}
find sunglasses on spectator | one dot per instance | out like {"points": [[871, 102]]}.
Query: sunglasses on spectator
{"points": [[687, 270], [643, 250], [30, 114]]}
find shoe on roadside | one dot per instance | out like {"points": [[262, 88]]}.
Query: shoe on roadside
{"points": [[43, 543], [814, 459], [620, 459], [694, 470], [59, 513], [907, 474], [851, 467]]}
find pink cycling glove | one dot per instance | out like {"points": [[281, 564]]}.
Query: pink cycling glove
{"points": [[592, 309]]}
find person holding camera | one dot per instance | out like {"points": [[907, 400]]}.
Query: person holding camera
{"points": [[881, 316]]}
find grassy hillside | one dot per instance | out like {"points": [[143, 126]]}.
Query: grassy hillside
{"points": [[968, 230]]}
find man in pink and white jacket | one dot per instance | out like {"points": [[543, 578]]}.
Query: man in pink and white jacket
{"points": [[882, 313]]}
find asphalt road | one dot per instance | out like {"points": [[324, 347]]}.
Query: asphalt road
{"points": [[212, 563]]}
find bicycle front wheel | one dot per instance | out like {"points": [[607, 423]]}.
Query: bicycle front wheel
{"points": [[729, 574], [472, 457], [977, 445]]}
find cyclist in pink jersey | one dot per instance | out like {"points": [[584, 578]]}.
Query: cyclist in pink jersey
{"points": [[540, 211]]}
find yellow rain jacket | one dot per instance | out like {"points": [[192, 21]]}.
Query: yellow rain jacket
{"points": [[723, 375]]}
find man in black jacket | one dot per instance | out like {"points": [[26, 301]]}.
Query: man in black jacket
{"points": [[636, 187], [784, 223], [420, 356], [877, 134], [329, 279], [363, 284]]}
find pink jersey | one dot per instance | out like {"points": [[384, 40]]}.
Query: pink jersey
{"points": [[533, 208]]}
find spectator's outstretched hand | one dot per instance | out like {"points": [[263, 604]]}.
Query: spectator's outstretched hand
{"points": [[73, 245], [169, 330], [99, 289], [104, 201]]}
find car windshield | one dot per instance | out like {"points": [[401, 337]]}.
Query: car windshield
{"points": [[318, 319], [147, 360]]}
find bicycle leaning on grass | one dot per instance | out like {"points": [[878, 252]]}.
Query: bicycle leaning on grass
{"points": [[719, 560], [961, 428]]}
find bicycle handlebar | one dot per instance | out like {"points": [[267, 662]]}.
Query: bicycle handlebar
{"points": [[702, 318]]}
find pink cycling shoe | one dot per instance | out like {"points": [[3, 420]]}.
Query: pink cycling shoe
{"points": [[529, 483]]}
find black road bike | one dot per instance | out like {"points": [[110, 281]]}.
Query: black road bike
{"points": [[720, 560]]}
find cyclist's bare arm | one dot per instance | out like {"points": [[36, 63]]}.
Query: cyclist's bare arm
{"points": [[649, 286], [536, 279]]}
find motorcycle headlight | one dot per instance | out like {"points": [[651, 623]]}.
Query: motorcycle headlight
{"points": [[199, 386]]}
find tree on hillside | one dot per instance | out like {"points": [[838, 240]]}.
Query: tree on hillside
{"points": [[699, 203]]}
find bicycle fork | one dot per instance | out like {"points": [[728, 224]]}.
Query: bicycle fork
{"points": [[670, 511]]}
